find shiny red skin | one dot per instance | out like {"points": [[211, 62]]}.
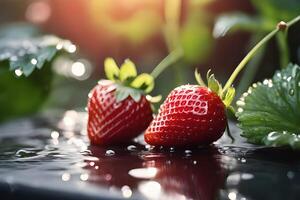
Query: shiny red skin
{"points": [[111, 122], [191, 115]]}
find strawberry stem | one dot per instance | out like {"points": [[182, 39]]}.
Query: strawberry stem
{"points": [[254, 51], [173, 57]]}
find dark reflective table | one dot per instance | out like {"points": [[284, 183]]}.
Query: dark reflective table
{"points": [[49, 157]]}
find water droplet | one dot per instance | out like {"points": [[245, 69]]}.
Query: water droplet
{"points": [[71, 48], [290, 174], [54, 135], [126, 191], [84, 177], [22, 153], [195, 162], [247, 176], [240, 110], [243, 160], [144, 173], [131, 148], [172, 149], [59, 46], [108, 177], [232, 195], [110, 153], [188, 151], [240, 103], [291, 92], [66, 177], [273, 136], [18, 72], [78, 69], [284, 84], [279, 75], [148, 147], [33, 61]]}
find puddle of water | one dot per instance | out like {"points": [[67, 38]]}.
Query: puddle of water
{"points": [[58, 151]]}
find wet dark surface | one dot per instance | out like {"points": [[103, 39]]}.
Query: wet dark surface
{"points": [[49, 157]]}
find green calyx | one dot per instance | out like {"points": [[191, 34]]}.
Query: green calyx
{"points": [[128, 82], [214, 85]]}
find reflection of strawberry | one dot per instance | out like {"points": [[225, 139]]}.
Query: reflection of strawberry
{"points": [[197, 177], [118, 109], [191, 115]]}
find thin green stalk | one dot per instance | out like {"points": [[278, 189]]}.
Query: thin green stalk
{"points": [[247, 58], [254, 51], [249, 73], [283, 49], [172, 30], [173, 57]]}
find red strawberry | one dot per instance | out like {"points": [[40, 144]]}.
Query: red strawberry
{"points": [[118, 109], [191, 115]]}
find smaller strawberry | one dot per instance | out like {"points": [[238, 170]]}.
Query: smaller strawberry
{"points": [[191, 115], [118, 108]]}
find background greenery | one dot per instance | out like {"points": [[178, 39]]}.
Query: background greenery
{"points": [[213, 34]]}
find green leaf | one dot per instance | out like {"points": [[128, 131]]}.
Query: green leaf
{"points": [[135, 95], [214, 84], [28, 52], [122, 92], [228, 23], [277, 10], [272, 106], [111, 69], [199, 78], [229, 97], [144, 82], [127, 70]]}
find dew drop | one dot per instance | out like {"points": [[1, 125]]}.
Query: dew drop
{"points": [[240, 110], [172, 149], [33, 61], [84, 177], [188, 151], [110, 153], [18, 72], [126, 191], [131, 148], [54, 135], [291, 92], [66, 177], [22, 153], [290, 174]]}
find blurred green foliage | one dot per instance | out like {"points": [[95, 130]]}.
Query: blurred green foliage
{"points": [[22, 95], [269, 13], [25, 69]]}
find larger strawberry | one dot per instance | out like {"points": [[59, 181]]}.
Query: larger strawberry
{"points": [[191, 115], [118, 109]]}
